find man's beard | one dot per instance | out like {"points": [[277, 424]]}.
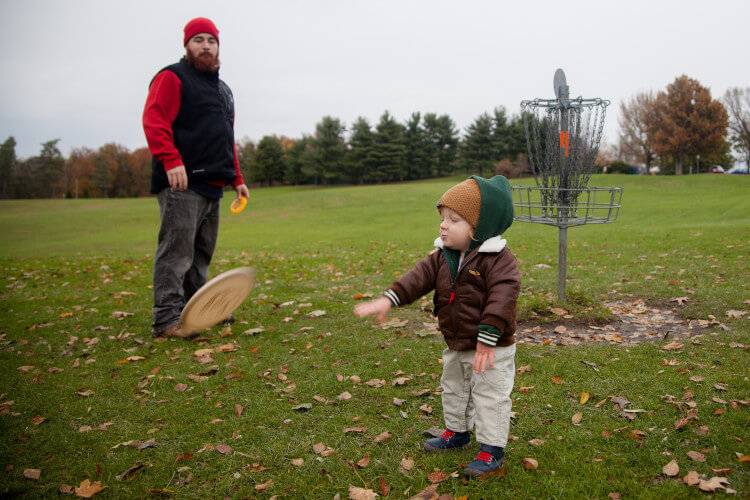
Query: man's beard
{"points": [[204, 62]]}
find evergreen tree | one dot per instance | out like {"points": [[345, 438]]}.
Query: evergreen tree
{"points": [[297, 162], [269, 162], [417, 156], [328, 150], [7, 161], [361, 151], [442, 136], [478, 151], [390, 150]]}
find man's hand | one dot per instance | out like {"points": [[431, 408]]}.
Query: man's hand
{"points": [[484, 356], [177, 178], [242, 191], [379, 307]]}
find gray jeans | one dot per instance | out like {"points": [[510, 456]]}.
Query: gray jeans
{"points": [[187, 238]]}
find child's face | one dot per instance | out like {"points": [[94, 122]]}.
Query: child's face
{"points": [[455, 232]]}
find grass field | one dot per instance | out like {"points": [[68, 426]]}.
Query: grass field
{"points": [[88, 395]]}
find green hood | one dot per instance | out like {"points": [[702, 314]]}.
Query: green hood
{"points": [[496, 214]]}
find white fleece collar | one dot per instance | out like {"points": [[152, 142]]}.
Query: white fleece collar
{"points": [[492, 245]]}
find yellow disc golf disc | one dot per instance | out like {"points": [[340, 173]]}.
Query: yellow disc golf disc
{"points": [[238, 205]]}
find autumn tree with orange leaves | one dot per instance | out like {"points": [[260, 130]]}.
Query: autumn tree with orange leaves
{"points": [[685, 121]]}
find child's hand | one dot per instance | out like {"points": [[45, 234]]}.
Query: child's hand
{"points": [[484, 356], [380, 307]]}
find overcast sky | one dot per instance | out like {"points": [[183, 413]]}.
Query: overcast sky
{"points": [[79, 70]]}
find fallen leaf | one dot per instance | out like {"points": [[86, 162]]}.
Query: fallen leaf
{"points": [[537, 442], [344, 396], [38, 419], [180, 387], [530, 463], [722, 472], [672, 346], [557, 380], [426, 408], [263, 487], [577, 418], [558, 311], [406, 465], [223, 448], [698, 457], [128, 474], [523, 369], [713, 484], [318, 447], [671, 469], [384, 488], [32, 473], [428, 493], [88, 489], [356, 493], [364, 462], [692, 478], [385, 436], [437, 476], [354, 429], [584, 397]]}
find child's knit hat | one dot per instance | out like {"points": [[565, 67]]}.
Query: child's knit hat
{"points": [[464, 199], [486, 204]]}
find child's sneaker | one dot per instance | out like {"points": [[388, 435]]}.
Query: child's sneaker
{"points": [[448, 441], [490, 458]]}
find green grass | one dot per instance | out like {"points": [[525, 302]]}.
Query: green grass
{"points": [[65, 263]]}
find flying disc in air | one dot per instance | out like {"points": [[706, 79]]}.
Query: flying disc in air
{"points": [[238, 205], [216, 300]]}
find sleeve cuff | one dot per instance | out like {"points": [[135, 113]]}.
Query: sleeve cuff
{"points": [[489, 335], [393, 297]]}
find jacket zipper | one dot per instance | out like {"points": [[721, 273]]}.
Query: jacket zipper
{"points": [[453, 297]]}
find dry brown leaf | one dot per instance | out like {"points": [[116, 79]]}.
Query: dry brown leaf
{"points": [[384, 488], [523, 369], [38, 419], [577, 418], [298, 462], [344, 396], [88, 489], [722, 472], [318, 447], [537, 442], [558, 311], [354, 429], [437, 476], [696, 456], [238, 408], [426, 408], [384, 436], [671, 469], [713, 484], [743, 458], [530, 463], [407, 464], [263, 487], [429, 493], [32, 473], [692, 478], [223, 448], [364, 462], [557, 380], [584, 397], [180, 387], [672, 346], [327, 452], [357, 493]]}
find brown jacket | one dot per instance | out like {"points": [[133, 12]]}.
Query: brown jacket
{"points": [[485, 291]]}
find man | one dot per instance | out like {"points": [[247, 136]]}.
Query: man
{"points": [[189, 124]]}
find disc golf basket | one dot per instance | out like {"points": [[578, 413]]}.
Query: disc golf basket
{"points": [[562, 137]]}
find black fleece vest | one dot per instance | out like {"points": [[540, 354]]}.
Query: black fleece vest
{"points": [[203, 130]]}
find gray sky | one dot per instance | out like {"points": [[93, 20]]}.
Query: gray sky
{"points": [[79, 70]]}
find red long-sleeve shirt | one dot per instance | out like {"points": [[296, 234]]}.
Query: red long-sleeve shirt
{"points": [[162, 107]]}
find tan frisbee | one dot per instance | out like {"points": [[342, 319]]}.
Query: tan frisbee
{"points": [[217, 299]]}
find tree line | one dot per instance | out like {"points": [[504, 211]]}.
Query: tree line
{"points": [[671, 129]]}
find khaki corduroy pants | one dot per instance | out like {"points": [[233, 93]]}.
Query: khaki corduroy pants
{"points": [[480, 400]]}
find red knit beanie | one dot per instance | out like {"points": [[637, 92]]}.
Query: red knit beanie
{"points": [[200, 25]]}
